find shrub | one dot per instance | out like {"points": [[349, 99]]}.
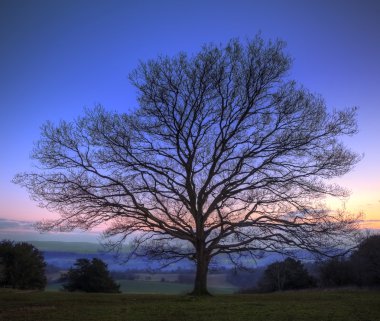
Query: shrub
{"points": [[22, 266], [90, 276], [285, 275]]}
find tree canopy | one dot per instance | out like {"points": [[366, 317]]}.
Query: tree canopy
{"points": [[22, 266], [90, 276], [336, 272], [361, 268], [366, 261], [225, 154], [286, 275]]}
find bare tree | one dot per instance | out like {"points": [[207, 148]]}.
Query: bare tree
{"points": [[224, 154]]}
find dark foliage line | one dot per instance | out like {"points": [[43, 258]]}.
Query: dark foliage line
{"points": [[90, 276], [22, 266], [361, 268]]}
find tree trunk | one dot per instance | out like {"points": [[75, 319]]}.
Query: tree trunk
{"points": [[200, 283]]}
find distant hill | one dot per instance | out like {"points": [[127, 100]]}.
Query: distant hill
{"points": [[64, 254], [74, 247]]}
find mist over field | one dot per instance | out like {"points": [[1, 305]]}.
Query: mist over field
{"points": [[64, 254]]}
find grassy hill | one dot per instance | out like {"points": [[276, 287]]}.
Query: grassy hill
{"points": [[353, 305], [74, 247]]}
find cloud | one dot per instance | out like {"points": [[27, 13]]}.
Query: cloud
{"points": [[370, 221]]}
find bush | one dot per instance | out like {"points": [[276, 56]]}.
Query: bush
{"points": [[22, 266], [90, 276], [286, 275]]}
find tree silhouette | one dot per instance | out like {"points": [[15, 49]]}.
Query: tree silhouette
{"points": [[22, 266], [366, 261], [223, 155], [90, 276], [336, 272], [286, 275]]}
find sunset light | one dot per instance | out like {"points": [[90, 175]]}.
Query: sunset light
{"points": [[190, 160], [58, 58]]}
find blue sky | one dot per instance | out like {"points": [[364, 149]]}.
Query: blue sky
{"points": [[57, 57]]}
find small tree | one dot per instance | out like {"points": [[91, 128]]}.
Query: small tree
{"points": [[23, 266], [225, 155], [90, 276], [286, 275]]}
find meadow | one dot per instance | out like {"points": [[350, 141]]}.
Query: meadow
{"points": [[347, 305], [164, 283]]}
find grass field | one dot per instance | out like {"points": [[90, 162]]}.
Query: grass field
{"points": [[156, 287], [352, 305], [147, 283]]}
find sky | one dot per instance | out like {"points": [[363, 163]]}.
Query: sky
{"points": [[59, 56]]}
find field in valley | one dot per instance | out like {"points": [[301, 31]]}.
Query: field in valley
{"points": [[164, 283]]}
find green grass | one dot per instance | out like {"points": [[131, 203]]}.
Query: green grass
{"points": [[304, 305], [153, 287]]}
